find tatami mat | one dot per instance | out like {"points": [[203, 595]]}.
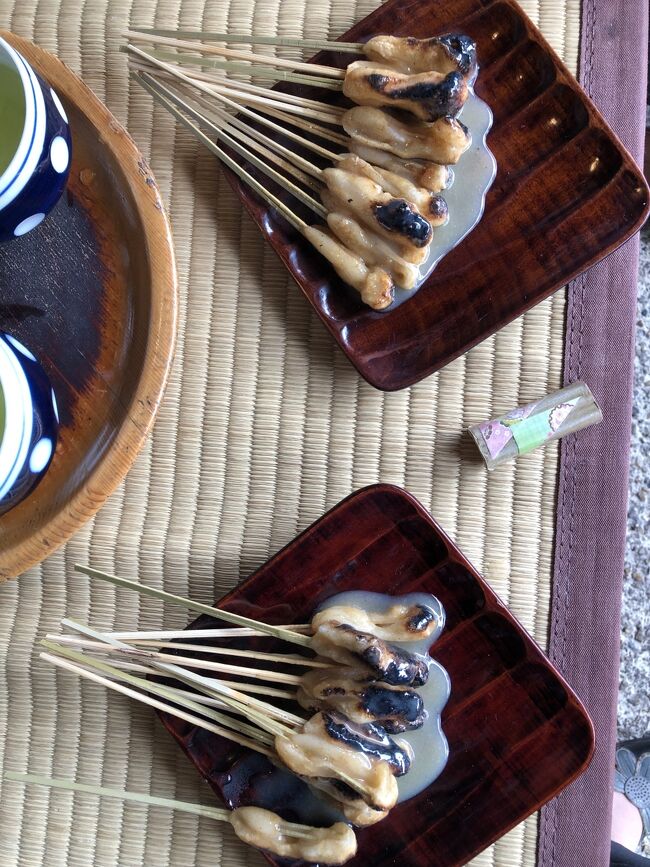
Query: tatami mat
{"points": [[264, 426]]}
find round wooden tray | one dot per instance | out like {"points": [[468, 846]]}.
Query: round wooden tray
{"points": [[93, 293]]}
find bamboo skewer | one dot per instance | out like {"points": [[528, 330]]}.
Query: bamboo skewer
{"points": [[226, 693], [242, 110], [249, 155], [264, 715], [297, 222], [168, 666], [265, 121], [276, 631], [261, 714], [204, 664], [294, 111], [324, 112], [290, 829], [268, 93], [254, 39], [266, 59], [253, 138], [89, 663], [280, 179], [275, 95], [68, 785], [260, 101], [227, 632], [268, 725], [209, 685], [297, 162], [208, 84], [261, 104], [293, 219], [243, 88], [287, 659], [263, 689], [235, 68], [249, 135], [154, 702], [309, 126], [215, 702], [253, 689]]}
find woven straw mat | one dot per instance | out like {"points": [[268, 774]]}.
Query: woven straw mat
{"points": [[265, 425]]}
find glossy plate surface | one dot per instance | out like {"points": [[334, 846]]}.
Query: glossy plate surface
{"points": [[517, 733], [566, 194], [92, 293]]}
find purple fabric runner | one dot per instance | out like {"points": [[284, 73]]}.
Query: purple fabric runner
{"points": [[593, 485]]}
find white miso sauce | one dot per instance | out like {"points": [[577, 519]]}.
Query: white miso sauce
{"points": [[429, 744], [472, 177]]}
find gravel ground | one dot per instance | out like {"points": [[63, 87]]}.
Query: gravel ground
{"points": [[634, 694], [634, 697]]}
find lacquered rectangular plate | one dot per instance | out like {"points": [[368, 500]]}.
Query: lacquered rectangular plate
{"points": [[517, 733], [567, 193]]}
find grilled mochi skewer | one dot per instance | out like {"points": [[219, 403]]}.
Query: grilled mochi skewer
{"points": [[361, 814], [362, 760], [337, 789], [400, 622], [381, 222], [258, 827], [355, 693], [431, 176], [374, 284], [376, 242], [443, 141], [267, 831], [430, 79], [355, 809], [431, 205], [425, 95], [349, 646], [329, 745], [394, 219], [371, 248], [451, 52], [356, 764]]}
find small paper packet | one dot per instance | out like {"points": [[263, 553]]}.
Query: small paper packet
{"points": [[528, 427]]}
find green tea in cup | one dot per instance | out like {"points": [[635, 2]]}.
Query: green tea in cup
{"points": [[28, 422], [35, 145]]}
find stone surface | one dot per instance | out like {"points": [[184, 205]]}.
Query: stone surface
{"points": [[634, 697], [634, 694]]}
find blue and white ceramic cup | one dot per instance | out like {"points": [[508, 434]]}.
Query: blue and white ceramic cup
{"points": [[34, 145], [29, 422]]}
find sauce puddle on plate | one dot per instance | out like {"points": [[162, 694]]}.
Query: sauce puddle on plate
{"points": [[471, 179], [429, 744]]}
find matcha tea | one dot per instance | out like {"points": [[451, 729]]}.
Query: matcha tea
{"points": [[12, 116]]}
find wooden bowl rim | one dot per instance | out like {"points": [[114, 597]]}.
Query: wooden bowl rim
{"points": [[112, 467]]}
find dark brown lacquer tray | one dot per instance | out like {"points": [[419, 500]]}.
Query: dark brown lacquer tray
{"points": [[92, 292], [517, 733], [567, 193]]}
